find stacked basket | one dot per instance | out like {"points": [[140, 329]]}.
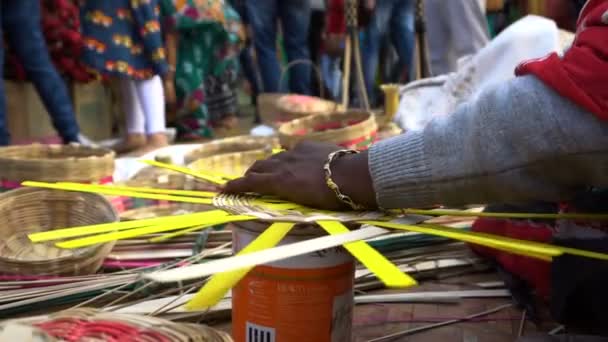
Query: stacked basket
{"points": [[54, 163]]}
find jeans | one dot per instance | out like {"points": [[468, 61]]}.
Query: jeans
{"points": [[397, 18], [294, 16], [21, 23], [456, 28]]}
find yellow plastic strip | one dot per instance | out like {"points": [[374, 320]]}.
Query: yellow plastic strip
{"points": [[219, 284], [531, 216], [187, 171], [187, 231], [112, 192], [127, 234], [192, 193], [488, 240], [65, 233], [386, 271], [528, 248]]}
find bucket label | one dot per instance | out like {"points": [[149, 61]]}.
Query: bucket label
{"points": [[258, 333]]}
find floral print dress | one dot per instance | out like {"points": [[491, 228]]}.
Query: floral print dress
{"points": [[210, 36], [123, 38]]}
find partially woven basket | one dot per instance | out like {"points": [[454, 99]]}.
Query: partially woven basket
{"points": [[291, 107], [243, 143], [29, 210], [93, 325], [54, 163], [352, 129]]}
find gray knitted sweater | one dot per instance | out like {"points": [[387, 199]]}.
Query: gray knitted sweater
{"points": [[518, 141]]}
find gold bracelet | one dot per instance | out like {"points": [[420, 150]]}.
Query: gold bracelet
{"points": [[332, 185]]}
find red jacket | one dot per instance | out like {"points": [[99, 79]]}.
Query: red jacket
{"points": [[582, 73]]}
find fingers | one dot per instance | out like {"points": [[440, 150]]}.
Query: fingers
{"points": [[260, 183]]}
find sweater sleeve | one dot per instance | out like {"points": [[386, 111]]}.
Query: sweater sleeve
{"points": [[515, 142]]}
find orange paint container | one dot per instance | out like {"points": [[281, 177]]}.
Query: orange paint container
{"points": [[306, 298]]}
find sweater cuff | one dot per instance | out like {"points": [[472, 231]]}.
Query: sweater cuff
{"points": [[400, 172]]}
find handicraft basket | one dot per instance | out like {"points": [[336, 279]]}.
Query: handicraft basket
{"points": [[93, 325], [232, 156], [29, 210], [55, 163], [232, 145], [353, 129]]}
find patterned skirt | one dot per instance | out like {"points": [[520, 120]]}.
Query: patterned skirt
{"points": [[123, 38]]}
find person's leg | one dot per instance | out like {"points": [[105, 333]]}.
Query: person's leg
{"points": [[134, 117], [371, 43], [295, 21], [21, 21], [403, 33], [151, 97], [134, 114], [438, 36], [4, 134], [468, 26], [262, 15]]}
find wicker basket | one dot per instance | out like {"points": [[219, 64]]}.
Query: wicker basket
{"points": [[54, 163], [351, 130], [28, 210], [291, 107], [94, 325], [230, 164], [231, 145]]}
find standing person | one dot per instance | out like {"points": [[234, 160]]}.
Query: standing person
{"points": [[294, 16], [21, 25], [203, 44], [397, 18], [456, 28], [123, 40], [246, 58]]}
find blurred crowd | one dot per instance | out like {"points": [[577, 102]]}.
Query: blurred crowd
{"points": [[181, 62]]}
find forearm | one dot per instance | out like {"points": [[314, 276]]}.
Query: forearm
{"points": [[171, 45], [518, 141]]}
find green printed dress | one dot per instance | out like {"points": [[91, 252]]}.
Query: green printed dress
{"points": [[209, 39]]}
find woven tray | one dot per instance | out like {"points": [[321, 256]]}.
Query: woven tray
{"points": [[231, 145], [28, 210], [96, 326], [351, 129], [55, 163]]}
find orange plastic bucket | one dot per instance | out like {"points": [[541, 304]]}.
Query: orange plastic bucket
{"points": [[306, 298]]}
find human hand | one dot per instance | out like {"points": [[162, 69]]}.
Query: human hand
{"points": [[298, 176]]}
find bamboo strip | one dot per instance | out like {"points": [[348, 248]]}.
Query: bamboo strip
{"points": [[217, 287], [371, 258], [111, 192], [96, 239], [65, 233], [209, 178], [263, 257]]}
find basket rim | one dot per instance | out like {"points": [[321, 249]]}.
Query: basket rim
{"points": [[287, 129], [107, 153]]}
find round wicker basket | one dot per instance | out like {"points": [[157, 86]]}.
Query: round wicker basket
{"points": [[237, 144], [28, 210], [93, 325], [291, 107], [351, 130], [53, 163]]}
